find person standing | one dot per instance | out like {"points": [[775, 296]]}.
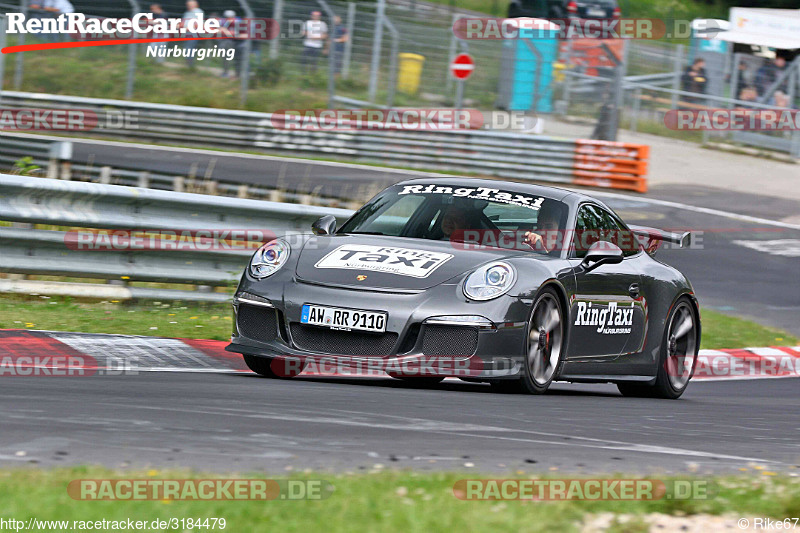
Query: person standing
{"points": [[315, 31], [694, 79], [769, 73], [158, 13], [193, 12], [52, 8], [340, 38], [230, 29]]}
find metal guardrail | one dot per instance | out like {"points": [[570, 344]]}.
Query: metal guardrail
{"points": [[14, 147], [24, 250], [488, 153]]}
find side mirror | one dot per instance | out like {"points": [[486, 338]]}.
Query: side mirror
{"points": [[324, 225], [601, 253]]}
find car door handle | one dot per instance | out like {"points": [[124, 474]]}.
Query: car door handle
{"points": [[633, 290]]}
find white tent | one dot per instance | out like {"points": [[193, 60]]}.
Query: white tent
{"points": [[774, 28]]}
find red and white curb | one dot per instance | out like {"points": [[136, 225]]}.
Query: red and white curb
{"points": [[32, 352], [27, 352]]}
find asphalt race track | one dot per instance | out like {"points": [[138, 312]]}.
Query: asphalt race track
{"points": [[242, 422]]}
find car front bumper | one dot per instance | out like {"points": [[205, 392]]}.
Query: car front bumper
{"points": [[436, 332]]}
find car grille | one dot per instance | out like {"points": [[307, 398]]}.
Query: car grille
{"points": [[257, 323], [449, 340], [322, 340]]}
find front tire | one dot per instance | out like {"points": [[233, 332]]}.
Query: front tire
{"points": [[678, 357], [545, 344]]}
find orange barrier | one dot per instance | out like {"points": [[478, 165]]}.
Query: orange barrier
{"points": [[610, 164]]}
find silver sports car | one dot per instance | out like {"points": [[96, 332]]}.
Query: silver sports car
{"points": [[512, 284]]}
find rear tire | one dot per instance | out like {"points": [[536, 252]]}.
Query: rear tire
{"points": [[678, 357], [263, 367]]}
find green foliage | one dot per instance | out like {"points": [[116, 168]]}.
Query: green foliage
{"points": [[268, 73], [25, 167]]}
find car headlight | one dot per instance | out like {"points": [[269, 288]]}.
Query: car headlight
{"points": [[490, 281], [269, 259]]}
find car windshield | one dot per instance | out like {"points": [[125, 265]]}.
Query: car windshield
{"points": [[465, 214]]}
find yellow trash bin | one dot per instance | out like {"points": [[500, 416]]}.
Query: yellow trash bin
{"points": [[410, 72]]}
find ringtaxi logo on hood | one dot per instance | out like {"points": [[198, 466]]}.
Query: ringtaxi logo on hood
{"points": [[400, 261], [477, 193]]}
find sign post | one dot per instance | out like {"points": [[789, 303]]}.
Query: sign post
{"points": [[461, 68]]}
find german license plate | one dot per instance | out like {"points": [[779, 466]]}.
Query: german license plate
{"points": [[343, 319], [594, 12]]}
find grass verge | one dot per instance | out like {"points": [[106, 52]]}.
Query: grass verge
{"points": [[213, 321], [378, 501], [725, 331], [158, 319]]}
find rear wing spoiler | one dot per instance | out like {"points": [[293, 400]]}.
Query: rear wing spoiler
{"points": [[651, 238]]}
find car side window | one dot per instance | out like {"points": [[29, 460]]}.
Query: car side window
{"points": [[595, 224], [618, 234], [587, 227]]}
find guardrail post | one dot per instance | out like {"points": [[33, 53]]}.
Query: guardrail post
{"points": [[20, 65], [105, 175], [135, 10], [245, 74], [59, 158], [377, 39], [66, 170], [277, 16], [348, 46]]}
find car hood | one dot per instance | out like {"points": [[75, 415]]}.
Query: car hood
{"points": [[381, 262]]}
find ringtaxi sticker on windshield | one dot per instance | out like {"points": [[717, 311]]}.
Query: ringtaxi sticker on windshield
{"points": [[477, 193]]}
